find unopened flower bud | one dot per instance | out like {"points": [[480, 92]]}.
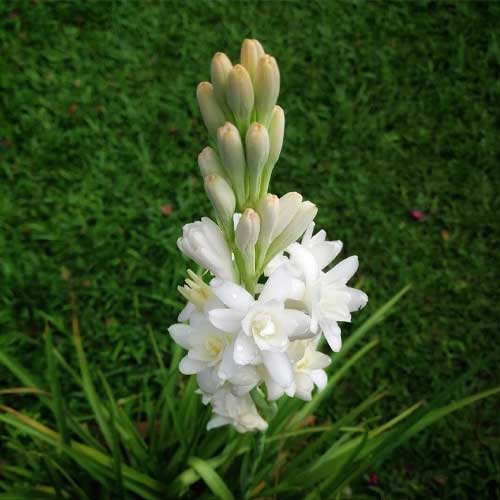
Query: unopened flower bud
{"points": [[257, 149], [250, 53], [222, 197], [267, 87], [289, 206], [240, 95], [233, 158], [276, 135], [295, 229], [210, 110], [247, 230], [268, 209], [209, 163], [219, 72]]}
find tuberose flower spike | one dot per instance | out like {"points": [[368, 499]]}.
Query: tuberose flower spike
{"points": [[273, 290]]}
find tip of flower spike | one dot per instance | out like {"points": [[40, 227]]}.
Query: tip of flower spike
{"points": [[267, 59], [203, 87]]}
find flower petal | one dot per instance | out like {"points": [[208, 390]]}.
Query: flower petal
{"points": [[279, 367], [217, 421], [274, 390], [343, 271], [301, 329], [208, 381], [186, 313], [227, 320], [304, 386], [245, 350], [303, 259], [245, 379], [331, 332], [358, 299], [189, 366], [232, 295], [325, 252], [308, 235], [180, 333], [274, 263], [277, 286], [227, 367], [319, 378], [318, 360]]}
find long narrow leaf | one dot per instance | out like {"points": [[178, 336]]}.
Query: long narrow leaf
{"points": [[55, 387], [78, 451], [211, 478]]}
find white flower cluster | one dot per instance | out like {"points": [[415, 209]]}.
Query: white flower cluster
{"points": [[259, 320]]}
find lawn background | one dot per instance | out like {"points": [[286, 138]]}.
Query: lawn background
{"points": [[390, 107]]}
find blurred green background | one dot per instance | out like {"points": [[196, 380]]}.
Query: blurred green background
{"points": [[390, 107]]}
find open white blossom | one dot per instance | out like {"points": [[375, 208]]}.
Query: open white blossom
{"points": [[263, 328], [240, 412], [326, 295], [205, 344], [307, 367]]}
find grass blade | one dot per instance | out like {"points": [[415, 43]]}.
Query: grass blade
{"points": [[55, 387], [211, 478]]}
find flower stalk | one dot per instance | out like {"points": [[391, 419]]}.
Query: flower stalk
{"points": [[252, 333]]}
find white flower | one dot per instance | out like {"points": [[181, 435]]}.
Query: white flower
{"points": [[205, 344], [307, 366], [241, 381], [204, 242], [326, 295], [263, 327], [240, 412]]}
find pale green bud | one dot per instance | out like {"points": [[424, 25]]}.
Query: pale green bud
{"points": [[209, 163], [240, 96], [257, 149], [250, 53], [222, 197], [233, 158], [210, 110], [247, 230], [219, 72], [268, 209], [295, 229], [276, 135], [289, 206], [267, 87], [247, 234]]}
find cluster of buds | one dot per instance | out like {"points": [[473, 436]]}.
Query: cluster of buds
{"points": [[240, 112], [247, 126], [259, 320]]}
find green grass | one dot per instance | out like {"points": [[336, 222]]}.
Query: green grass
{"points": [[389, 107]]}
